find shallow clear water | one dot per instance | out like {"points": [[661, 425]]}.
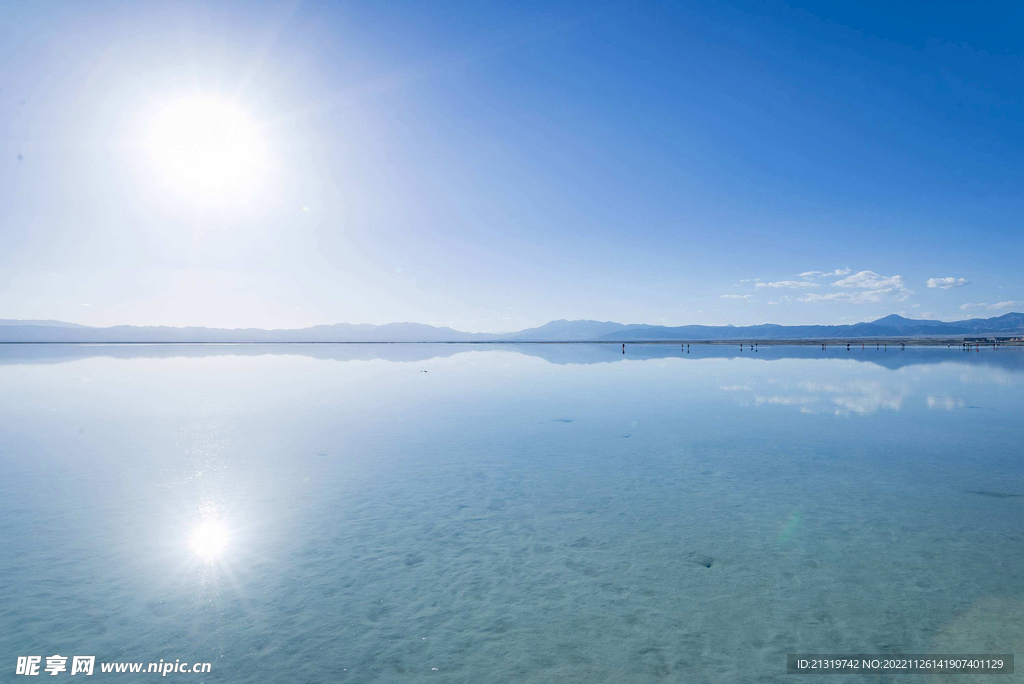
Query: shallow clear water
{"points": [[532, 513]]}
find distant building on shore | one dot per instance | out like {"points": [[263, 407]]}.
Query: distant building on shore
{"points": [[998, 339]]}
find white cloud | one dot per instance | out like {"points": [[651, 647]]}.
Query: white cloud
{"points": [[991, 307], [874, 289], [732, 296], [863, 297], [869, 280], [786, 400], [791, 284], [820, 274], [946, 283]]}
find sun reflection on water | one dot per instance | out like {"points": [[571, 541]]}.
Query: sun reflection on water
{"points": [[209, 539]]}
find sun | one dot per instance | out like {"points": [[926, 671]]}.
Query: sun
{"points": [[207, 148]]}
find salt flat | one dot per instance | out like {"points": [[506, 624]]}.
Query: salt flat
{"points": [[530, 513]]}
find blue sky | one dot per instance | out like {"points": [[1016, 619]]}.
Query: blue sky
{"points": [[492, 166]]}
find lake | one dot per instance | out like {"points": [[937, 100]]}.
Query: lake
{"points": [[508, 513]]}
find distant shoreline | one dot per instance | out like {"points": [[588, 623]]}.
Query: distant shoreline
{"points": [[909, 341]]}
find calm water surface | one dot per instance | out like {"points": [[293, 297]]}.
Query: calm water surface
{"points": [[535, 513]]}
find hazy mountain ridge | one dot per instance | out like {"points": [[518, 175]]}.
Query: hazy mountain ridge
{"points": [[53, 324], [567, 331], [554, 331], [889, 326]]}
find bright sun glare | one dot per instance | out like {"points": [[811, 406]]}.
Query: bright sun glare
{"points": [[209, 539], [207, 148]]}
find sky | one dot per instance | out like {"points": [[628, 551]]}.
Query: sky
{"points": [[493, 166]]}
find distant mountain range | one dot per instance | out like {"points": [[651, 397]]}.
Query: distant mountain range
{"points": [[892, 326]]}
